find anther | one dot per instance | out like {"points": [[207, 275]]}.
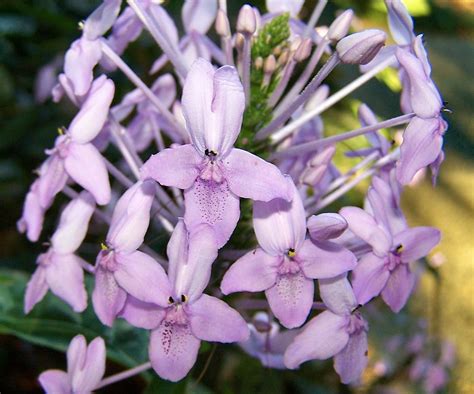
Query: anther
{"points": [[291, 252], [183, 298], [399, 248], [170, 300], [103, 246], [210, 153]]}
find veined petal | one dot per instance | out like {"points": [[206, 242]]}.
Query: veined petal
{"points": [[142, 314], [352, 360], [178, 167], [365, 227], [421, 146], [66, 280], [326, 226], [251, 177], [417, 242], [255, 271], [198, 15], [55, 381], [173, 350], [213, 320], [324, 259], [36, 289], [323, 337], [280, 225], [108, 298], [337, 295], [291, 299], [369, 278], [73, 224], [85, 165], [399, 287], [130, 223], [214, 204], [94, 111], [142, 277]]}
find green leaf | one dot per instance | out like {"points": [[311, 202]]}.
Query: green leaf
{"points": [[53, 324]]}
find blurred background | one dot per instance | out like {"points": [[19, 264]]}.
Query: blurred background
{"points": [[439, 316]]}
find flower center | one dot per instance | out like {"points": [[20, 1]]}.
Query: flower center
{"points": [[176, 313], [356, 324], [288, 264], [211, 169], [394, 258]]}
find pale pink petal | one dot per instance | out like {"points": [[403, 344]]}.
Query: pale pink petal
{"points": [[173, 350], [324, 259], [416, 242], [142, 314], [143, 277], [108, 298], [198, 15], [89, 376], [256, 271], [177, 251], [249, 176], [280, 225], [76, 354], [36, 289], [337, 295], [323, 337], [73, 224], [291, 299], [369, 278], [352, 360], [399, 287], [55, 381], [51, 180], [213, 320], [280, 6], [66, 280], [101, 19], [32, 218], [86, 166], [178, 167], [326, 226], [214, 204]]}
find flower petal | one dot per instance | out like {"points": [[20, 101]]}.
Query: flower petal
{"points": [[399, 287], [323, 337], [89, 376], [66, 280], [178, 167], [213, 320], [324, 259], [51, 181], [255, 271], [55, 381], [365, 227], [198, 15], [351, 362], [173, 350], [326, 226], [369, 278], [214, 204], [86, 166], [142, 314], [422, 144], [76, 354], [32, 218], [281, 6], [142, 277], [417, 242], [108, 298], [291, 299], [249, 176], [73, 224], [337, 295], [36, 289]]}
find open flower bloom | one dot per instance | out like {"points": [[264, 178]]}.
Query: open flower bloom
{"points": [[267, 342], [120, 267], [386, 269], [85, 368], [213, 173], [59, 269], [339, 332], [286, 264], [181, 315]]}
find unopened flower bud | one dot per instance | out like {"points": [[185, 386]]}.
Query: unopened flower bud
{"points": [[304, 49], [277, 50], [246, 21], [258, 63], [269, 65], [340, 26], [400, 22], [326, 226], [222, 24], [295, 43], [283, 58], [361, 48]]}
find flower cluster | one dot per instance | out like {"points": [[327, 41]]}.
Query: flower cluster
{"points": [[234, 121]]}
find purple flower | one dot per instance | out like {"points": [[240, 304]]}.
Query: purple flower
{"points": [[267, 342], [286, 263], [339, 332], [181, 315], [59, 269], [85, 368], [386, 269], [213, 173], [120, 267]]}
